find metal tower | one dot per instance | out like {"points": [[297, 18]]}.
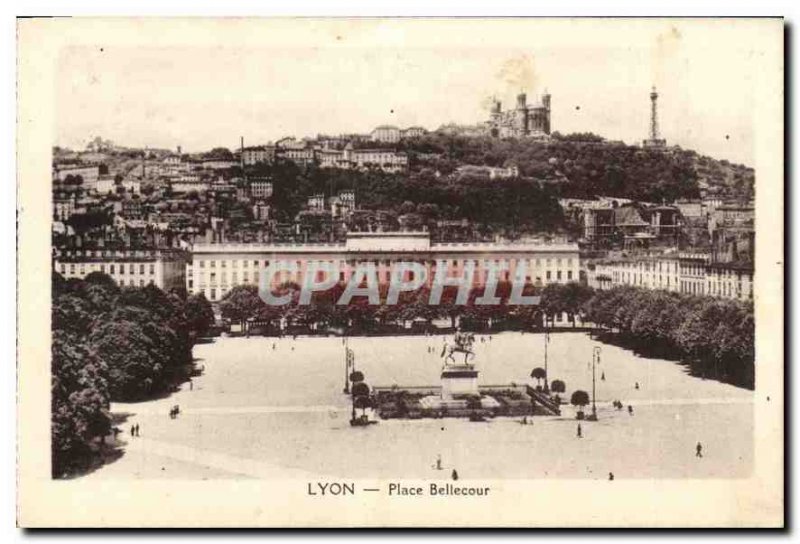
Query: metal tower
{"points": [[654, 140], [654, 114]]}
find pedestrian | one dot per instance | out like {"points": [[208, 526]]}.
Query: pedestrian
{"points": [[602, 376], [699, 450], [637, 385], [137, 429], [438, 462], [454, 475], [133, 430], [611, 476], [630, 409], [580, 431], [191, 385]]}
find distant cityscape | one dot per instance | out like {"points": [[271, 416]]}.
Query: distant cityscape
{"points": [[207, 222]]}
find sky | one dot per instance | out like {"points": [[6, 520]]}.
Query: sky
{"points": [[206, 95]]}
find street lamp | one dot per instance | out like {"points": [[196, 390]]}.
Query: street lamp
{"points": [[546, 341], [349, 360], [595, 360]]}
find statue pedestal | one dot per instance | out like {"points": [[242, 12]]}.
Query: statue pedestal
{"points": [[459, 380]]}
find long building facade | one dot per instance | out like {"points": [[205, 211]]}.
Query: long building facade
{"points": [[164, 268], [217, 268], [687, 273]]}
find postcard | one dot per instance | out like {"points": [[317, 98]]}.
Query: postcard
{"points": [[400, 272]]}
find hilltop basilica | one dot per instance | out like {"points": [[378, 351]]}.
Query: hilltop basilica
{"points": [[523, 121]]}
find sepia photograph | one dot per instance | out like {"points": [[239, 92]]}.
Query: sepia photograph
{"points": [[380, 273]]}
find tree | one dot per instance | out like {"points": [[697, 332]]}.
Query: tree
{"points": [[79, 403], [579, 399], [135, 364], [199, 314], [538, 374], [356, 376], [102, 279], [359, 389], [558, 386], [72, 314], [241, 303]]}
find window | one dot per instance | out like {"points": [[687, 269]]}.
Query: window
{"points": [[202, 264], [548, 274], [213, 294], [111, 268], [569, 274], [131, 269], [152, 269], [102, 268], [558, 275], [141, 269]]}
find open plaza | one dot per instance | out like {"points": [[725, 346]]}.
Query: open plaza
{"points": [[274, 408]]}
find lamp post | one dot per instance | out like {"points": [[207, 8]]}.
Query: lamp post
{"points": [[348, 366], [595, 360], [546, 341]]}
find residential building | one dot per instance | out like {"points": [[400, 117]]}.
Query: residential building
{"points": [[188, 183], [63, 206], [258, 154], [491, 172], [387, 134], [384, 159], [259, 187], [687, 273], [164, 268], [104, 185], [89, 174], [413, 132]]}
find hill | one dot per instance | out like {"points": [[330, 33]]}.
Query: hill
{"points": [[585, 165]]}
